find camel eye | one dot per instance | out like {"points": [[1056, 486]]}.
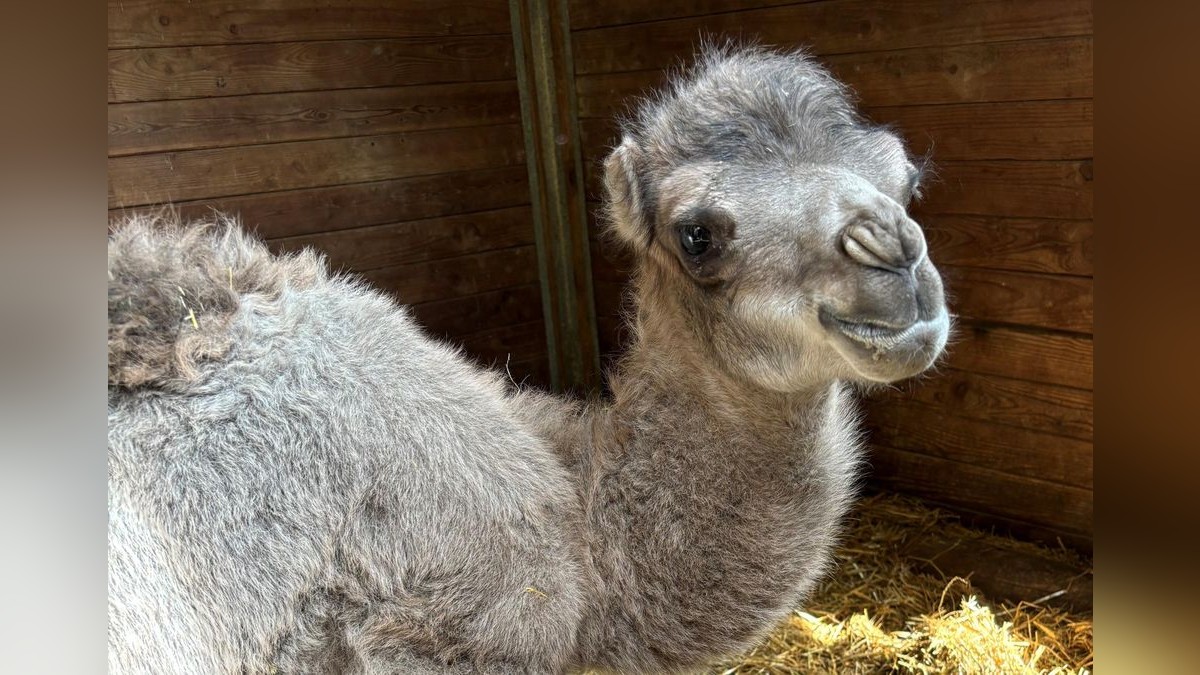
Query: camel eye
{"points": [[695, 239]]}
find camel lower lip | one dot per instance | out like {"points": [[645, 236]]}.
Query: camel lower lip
{"points": [[869, 333]]}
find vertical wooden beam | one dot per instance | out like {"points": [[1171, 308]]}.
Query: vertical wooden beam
{"points": [[546, 78]]}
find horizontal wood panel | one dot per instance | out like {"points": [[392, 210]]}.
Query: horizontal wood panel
{"points": [[962, 485], [607, 95], [1017, 244], [466, 275], [598, 137], [1046, 301], [1059, 68], [154, 23], [610, 262], [189, 124], [463, 315], [339, 207], [591, 14], [938, 432], [529, 373], [367, 248], [1002, 570], [1055, 409], [1013, 188], [198, 174], [498, 345], [1048, 130], [1007, 71], [834, 27], [1022, 353], [236, 70]]}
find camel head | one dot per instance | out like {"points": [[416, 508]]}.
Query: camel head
{"points": [[768, 220]]}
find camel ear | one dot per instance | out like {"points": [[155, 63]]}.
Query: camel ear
{"points": [[628, 219]]}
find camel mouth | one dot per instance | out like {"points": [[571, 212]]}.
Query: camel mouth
{"points": [[872, 334], [884, 352]]}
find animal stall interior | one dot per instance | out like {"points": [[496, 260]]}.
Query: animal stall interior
{"points": [[450, 153]]}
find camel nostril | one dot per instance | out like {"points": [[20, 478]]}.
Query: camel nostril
{"points": [[874, 245]]}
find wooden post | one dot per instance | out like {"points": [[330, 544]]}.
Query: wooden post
{"points": [[545, 76]]}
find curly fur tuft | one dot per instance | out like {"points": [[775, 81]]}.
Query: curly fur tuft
{"points": [[173, 287]]}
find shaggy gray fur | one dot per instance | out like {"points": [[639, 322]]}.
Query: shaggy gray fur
{"points": [[302, 481]]}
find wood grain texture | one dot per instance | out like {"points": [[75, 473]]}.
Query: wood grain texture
{"points": [[468, 314], [1015, 244], [368, 248], [1003, 572], [1058, 68], [1033, 70], [154, 23], [1012, 188], [834, 27], [198, 174], [465, 275], [1049, 408], [1048, 505], [591, 14], [326, 209], [1026, 354], [499, 345], [190, 124], [1030, 130], [261, 68], [940, 432], [1041, 300]]}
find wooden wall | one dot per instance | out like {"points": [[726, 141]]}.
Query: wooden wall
{"points": [[387, 133], [1001, 93]]}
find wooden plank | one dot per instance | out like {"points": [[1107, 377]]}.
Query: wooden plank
{"points": [[1045, 301], [261, 68], [591, 14], [1011, 188], [498, 345], [603, 96], [367, 248], [463, 315], [1008, 572], [198, 174], [190, 124], [1021, 530], [1022, 353], [958, 484], [597, 138], [934, 431], [610, 263], [1031, 130], [1016, 244], [154, 23], [465, 275], [326, 209], [1049, 408], [542, 46], [836, 27], [532, 372], [1057, 68]]}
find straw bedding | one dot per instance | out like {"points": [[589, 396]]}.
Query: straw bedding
{"points": [[881, 612]]}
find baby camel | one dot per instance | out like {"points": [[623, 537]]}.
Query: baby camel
{"points": [[302, 481]]}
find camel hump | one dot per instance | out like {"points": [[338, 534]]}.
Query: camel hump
{"points": [[174, 287]]}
